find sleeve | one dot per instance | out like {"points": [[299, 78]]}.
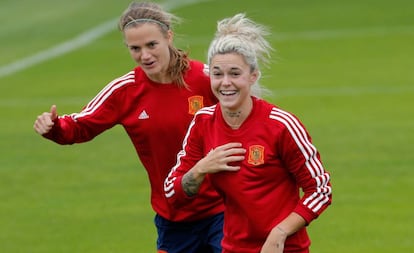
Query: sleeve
{"points": [[190, 154], [303, 161], [100, 114]]}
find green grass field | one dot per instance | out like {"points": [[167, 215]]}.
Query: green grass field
{"points": [[344, 67]]}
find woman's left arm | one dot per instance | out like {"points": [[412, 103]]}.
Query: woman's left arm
{"points": [[275, 241]]}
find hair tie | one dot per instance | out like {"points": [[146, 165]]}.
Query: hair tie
{"points": [[140, 20]]}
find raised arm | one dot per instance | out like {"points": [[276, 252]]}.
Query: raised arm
{"points": [[103, 112]]}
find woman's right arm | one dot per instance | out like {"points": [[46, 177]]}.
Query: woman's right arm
{"points": [[101, 113], [215, 161], [185, 178]]}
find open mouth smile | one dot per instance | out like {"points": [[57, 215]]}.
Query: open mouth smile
{"points": [[228, 92]]}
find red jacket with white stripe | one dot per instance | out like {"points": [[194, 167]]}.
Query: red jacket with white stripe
{"points": [[280, 160], [156, 117]]}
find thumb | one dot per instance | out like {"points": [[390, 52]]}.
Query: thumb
{"points": [[53, 112]]}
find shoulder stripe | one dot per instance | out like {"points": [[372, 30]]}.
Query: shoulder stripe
{"points": [[169, 181], [312, 163], [299, 135], [207, 110], [97, 101], [206, 69]]}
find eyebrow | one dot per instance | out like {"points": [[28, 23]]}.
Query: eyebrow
{"points": [[232, 68], [146, 44], [151, 42]]}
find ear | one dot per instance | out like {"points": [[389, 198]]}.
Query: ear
{"points": [[254, 76], [170, 37]]}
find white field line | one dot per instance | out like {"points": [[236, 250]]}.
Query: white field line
{"points": [[341, 91], [92, 35], [79, 41], [318, 35], [344, 91], [101, 30], [58, 50], [343, 33]]}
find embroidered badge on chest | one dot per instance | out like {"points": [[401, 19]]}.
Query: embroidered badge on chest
{"points": [[195, 103], [256, 155]]}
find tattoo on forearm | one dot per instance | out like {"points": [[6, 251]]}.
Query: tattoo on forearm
{"points": [[190, 184]]}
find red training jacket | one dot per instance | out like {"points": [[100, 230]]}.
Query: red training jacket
{"points": [[280, 160], [156, 117]]}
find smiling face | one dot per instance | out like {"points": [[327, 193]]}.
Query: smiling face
{"points": [[149, 47], [231, 80]]}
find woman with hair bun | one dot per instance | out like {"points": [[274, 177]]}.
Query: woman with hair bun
{"points": [[258, 156]]}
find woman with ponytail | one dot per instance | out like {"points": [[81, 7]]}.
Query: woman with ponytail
{"points": [[154, 102]]}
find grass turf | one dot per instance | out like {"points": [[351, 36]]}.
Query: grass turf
{"points": [[345, 68]]}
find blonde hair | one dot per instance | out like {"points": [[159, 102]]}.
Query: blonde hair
{"points": [[241, 35], [143, 12]]}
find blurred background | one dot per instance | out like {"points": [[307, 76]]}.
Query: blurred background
{"points": [[345, 68]]}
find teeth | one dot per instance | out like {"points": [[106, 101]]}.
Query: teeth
{"points": [[227, 93]]}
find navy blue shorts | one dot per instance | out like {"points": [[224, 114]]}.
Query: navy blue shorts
{"points": [[203, 236]]}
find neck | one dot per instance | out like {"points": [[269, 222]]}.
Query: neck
{"points": [[160, 78], [235, 117]]}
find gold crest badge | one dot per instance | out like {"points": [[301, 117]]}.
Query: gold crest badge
{"points": [[195, 103], [256, 155]]}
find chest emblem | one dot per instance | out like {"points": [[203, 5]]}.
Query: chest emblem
{"points": [[195, 103], [256, 155]]}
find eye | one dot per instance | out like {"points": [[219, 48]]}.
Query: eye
{"points": [[134, 48], [216, 74], [152, 44], [235, 74]]}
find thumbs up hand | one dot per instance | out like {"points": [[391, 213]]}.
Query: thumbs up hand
{"points": [[45, 121]]}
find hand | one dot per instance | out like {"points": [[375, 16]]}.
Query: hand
{"points": [[218, 159], [45, 121], [275, 241], [215, 161]]}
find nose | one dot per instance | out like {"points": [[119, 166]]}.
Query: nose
{"points": [[145, 54], [226, 80]]}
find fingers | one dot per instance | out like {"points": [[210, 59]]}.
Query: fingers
{"points": [[223, 156], [229, 146], [232, 151], [45, 121], [233, 158], [53, 112]]}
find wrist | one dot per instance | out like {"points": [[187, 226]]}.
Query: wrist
{"points": [[199, 169], [281, 231]]}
